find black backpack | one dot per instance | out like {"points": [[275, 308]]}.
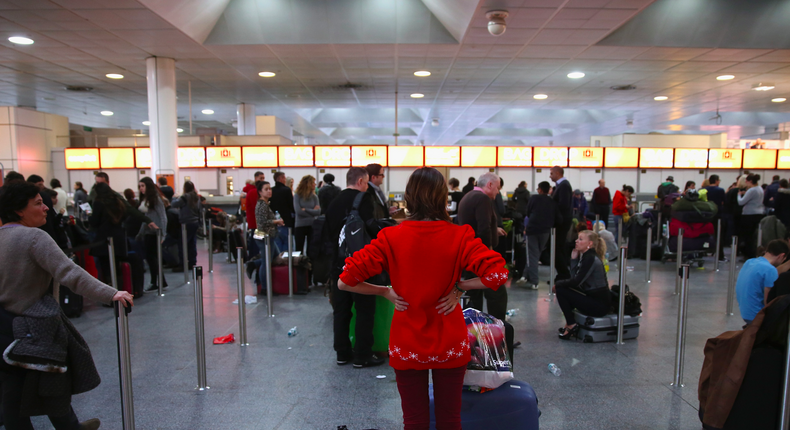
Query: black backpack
{"points": [[633, 306], [354, 235]]}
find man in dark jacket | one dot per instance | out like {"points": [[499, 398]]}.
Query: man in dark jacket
{"points": [[167, 190], [666, 188], [602, 201], [49, 226], [470, 185], [716, 195], [477, 210], [521, 197], [543, 216], [282, 201], [563, 196], [362, 354], [770, 192], [328, 192], [376, 178]]}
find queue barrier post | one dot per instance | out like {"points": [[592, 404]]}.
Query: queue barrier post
{"points": [[716, 255], [621, 309], [680, 341], [242, 307], [620, 233], [268, 267], [210, 249], [679, 261], [124, 349], [200, 337], [759, 236], [290, 263], [160, 277], [184, 253], [552, 264], [648, 253], [731, 280]]}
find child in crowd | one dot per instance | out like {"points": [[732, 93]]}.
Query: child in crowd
{"points": [[757, 277]]}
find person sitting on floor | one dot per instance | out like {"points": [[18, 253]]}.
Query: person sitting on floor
{"points": [[588, 289], [757, 277]]}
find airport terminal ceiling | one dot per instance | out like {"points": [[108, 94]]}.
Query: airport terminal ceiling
{"points": [[648, 66]]}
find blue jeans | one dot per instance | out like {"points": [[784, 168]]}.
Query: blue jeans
{"points": [[191, 246], [262, 270], [618, 219], [282, 238]]}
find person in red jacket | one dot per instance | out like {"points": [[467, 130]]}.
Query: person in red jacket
{"points": [[620, 205], [251, 200], [425, 256]]}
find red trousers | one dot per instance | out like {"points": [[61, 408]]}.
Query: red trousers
{"points": [[447, 387]]}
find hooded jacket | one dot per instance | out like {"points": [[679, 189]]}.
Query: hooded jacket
{"points": [[521, 197]]}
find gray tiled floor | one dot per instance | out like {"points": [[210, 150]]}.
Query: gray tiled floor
{"points": [[269, 386]]}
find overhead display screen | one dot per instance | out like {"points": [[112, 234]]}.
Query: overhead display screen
{"points": [[784, 159], [333, 156], [142, 158], [478, 156], [443, 156], [759, 158], [192, 156], [621, 157], [725, 158], [116, 158], [550, 156], [259, 156], [361, 156], [82, 158], [223, 156], [691, 158], [514, 156], [585, 157], [296, 156], [656, 158], [406, 156]]}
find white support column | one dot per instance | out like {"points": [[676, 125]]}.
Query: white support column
{"points": [[161, 76], [245, 116]]}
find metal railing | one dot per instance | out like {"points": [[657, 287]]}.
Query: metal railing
{"points": [[200, 337], [621, 309], [290, 263], [160, 279], [680, 340], [210, 248], [242, 304], [731, 280], [679, 261], [648, 253], [124, 349], [716, 255], [184, 253], [552, 261], [267, 254]]}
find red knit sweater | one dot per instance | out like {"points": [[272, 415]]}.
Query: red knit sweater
{"points": [[424, 260]]}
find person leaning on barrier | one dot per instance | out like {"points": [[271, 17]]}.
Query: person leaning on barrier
{"points": [[28, 296], [588, 289], [757, 277]]}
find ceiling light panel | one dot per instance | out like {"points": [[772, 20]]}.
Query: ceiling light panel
{"points": [[20, 40]]}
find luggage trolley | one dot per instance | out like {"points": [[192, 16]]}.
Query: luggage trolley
{"points": [[694, 249]]}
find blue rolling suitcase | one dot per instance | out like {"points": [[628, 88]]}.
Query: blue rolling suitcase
{"points": [[511, 406]]}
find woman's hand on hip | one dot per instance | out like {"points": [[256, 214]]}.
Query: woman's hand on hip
{"points": [[125, 298], [448, 303], [400, 304]]}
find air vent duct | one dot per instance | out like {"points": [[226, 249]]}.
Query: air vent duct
{"points": [[78, 89], [623, 87]]}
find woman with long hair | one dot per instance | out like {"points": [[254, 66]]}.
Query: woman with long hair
{"points": [[588, 289], [152, 205], [267, 223], [307, 209], [189, 207], [425, 256], [106, 219], [751, 199], [455, 195]]}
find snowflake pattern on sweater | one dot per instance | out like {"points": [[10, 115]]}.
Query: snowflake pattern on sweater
{"points": [[451, 354]]}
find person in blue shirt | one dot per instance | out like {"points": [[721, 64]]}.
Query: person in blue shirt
{"points": [[756, 278]]}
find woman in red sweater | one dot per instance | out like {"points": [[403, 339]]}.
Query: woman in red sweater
{"points": [[425, 256], [620, 205]]}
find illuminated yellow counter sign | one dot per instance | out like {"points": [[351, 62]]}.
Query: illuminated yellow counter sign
{"points": [[443, 156], [725, 158], [514, 156], [361, 156], [478, 156], [116, 158], [784, 159], [333, 156], [759, 158], [223, 156], [405, 156], [691, 158], [621, 158], [656, 158], [296, 156], [187, 157], [585, 157], [550, 156], [259, 156], [82, 158]]}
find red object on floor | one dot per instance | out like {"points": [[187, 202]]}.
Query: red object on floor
{"points": [[224, 339]]}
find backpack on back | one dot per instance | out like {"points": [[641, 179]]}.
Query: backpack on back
{"points": [[353, 235]]}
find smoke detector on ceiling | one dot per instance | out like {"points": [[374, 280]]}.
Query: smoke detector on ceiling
{"points": [[435, 122], [496, 22]]}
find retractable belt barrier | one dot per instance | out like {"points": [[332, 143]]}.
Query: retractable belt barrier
{"points": [[200, 337], [680, 340], [621, 311]]}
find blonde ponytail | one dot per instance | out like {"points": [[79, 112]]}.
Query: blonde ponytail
{"points": [[598, 243]]}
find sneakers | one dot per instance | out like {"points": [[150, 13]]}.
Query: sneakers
{"points": [[523, 281], [343, 359], [371, 361], [532, 286], [91, 424]]}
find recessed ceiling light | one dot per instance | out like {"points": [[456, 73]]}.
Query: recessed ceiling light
{"points": [[114, 75], [417, 96], [20, 40], [779, 100], [146, 122], [540, 97], [763, 87], [725, 77], [422, 73], [107, 113], [207, 112], [576, 75], [180, 130], [267, 74], [660, 98]]}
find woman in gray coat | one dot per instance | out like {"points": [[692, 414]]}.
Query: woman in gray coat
{"points": [[307, 209], [152, 205]]}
